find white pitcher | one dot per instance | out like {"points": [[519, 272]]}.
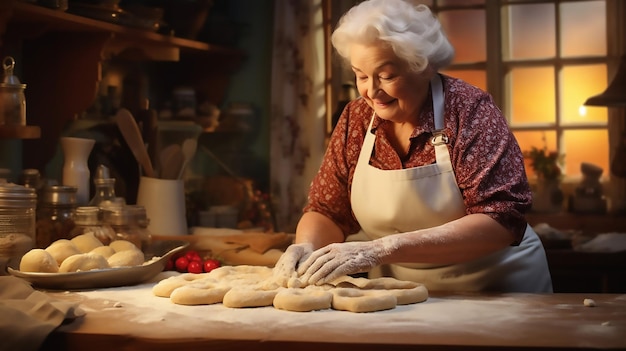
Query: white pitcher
{"points": [[75, 169]]}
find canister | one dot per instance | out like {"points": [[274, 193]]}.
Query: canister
{"points": [[55, 214], [129, 223], [12, 98], [18, 206]]}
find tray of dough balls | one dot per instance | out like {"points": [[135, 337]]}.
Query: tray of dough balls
{"points": [[84, 262]]}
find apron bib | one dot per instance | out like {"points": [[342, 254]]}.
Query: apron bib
{"points": [[386, 202]]}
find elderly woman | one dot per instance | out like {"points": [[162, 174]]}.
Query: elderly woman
{"points": [[423, 165]]}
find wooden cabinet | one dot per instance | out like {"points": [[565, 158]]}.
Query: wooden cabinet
{"points": [[60, 55]]}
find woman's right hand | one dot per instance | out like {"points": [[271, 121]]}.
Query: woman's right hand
{"points": [[288, 262]]}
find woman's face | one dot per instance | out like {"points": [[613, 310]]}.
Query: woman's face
{"points": [[386, 83]]}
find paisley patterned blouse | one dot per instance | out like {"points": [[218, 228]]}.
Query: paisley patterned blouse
{"points": [[487, 161]]}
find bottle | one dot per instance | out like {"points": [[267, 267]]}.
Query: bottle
{"points": [[87, 219], [104, 194], [55, 214], [18, 206]]}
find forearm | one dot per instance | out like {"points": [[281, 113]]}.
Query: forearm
{"points": [[461, 240], [317, 229]]}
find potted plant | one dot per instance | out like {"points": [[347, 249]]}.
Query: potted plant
{"points": [[547, 194]]}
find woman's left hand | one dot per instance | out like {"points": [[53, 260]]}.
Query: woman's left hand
{"points": [[335, 260]]}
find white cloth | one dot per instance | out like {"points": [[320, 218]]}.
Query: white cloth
{"points": [[386, 202]]}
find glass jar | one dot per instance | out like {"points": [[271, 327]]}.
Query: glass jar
{"points": [[55, 214], [87, 220], [128, 223], [18, 206]]}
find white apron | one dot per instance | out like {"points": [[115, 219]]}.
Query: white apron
{"points": [[394, 201]]}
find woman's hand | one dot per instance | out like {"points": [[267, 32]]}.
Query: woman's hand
{"points": [[335, 260], [288, 262]]}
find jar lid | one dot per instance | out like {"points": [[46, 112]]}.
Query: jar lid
{"points": [[10, 80], [59, 195], [118, 216], [16, 196], [87, 215]]}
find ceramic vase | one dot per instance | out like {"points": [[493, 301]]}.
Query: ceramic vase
{"points": [[76, 153]]}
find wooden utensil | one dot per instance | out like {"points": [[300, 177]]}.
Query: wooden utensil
{"points": [[130, 131], [171, 161], [188, 149]]}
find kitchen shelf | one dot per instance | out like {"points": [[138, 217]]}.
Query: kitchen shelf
{"points": [[60, 57], [20, 132], [33, 19]]}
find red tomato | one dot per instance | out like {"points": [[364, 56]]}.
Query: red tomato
{"points": [[169, 265], [194, 267], [181, 264], [193, 256], [210, 265]]}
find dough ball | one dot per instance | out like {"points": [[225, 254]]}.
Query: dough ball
{"points": [[62, 249], [86, 242], [126, 258], [105, 251], [122, 245], [38, 260], [83, 262]]}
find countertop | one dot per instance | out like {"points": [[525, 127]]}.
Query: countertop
{"points": [[132, 318]]}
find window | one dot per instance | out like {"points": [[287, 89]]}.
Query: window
{"points": [[540, 59]]}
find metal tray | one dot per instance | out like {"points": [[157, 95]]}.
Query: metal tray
{"points": [[160, 251]]}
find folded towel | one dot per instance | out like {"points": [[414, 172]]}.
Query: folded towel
{"points": [[28, 315]]}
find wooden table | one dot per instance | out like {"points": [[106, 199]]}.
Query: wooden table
{"points": [[131, 318]]}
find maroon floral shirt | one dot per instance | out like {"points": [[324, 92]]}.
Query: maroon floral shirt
{"points": [[487, 161]]}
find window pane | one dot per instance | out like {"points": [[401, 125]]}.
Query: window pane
{"points": [[532, 96], [577, 84], [530, 31], [527, 140], [474, 77], [466, 31], [591, 146], [583, 28]]}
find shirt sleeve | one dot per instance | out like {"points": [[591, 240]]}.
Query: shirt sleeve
{"points": [[488, 163]]}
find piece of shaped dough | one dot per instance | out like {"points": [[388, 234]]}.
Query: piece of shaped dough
{"points": [[356, 300], [198, 295], [38, 260], [126, 258], [165, 287], [240, 297], [62, 249], [105, 251], [303, 300], [86, 242], [406, 292], [122, 245], [83, 262]]}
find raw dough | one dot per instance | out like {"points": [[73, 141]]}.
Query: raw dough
{"points": [[356, 300], [255, 286], [166, 287], [86, 242], [122, 245], [83, 262], [38, 260], [196, 295], [239, 297], [303, 300], [105, 251], [132, 257], [62, 249]]}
